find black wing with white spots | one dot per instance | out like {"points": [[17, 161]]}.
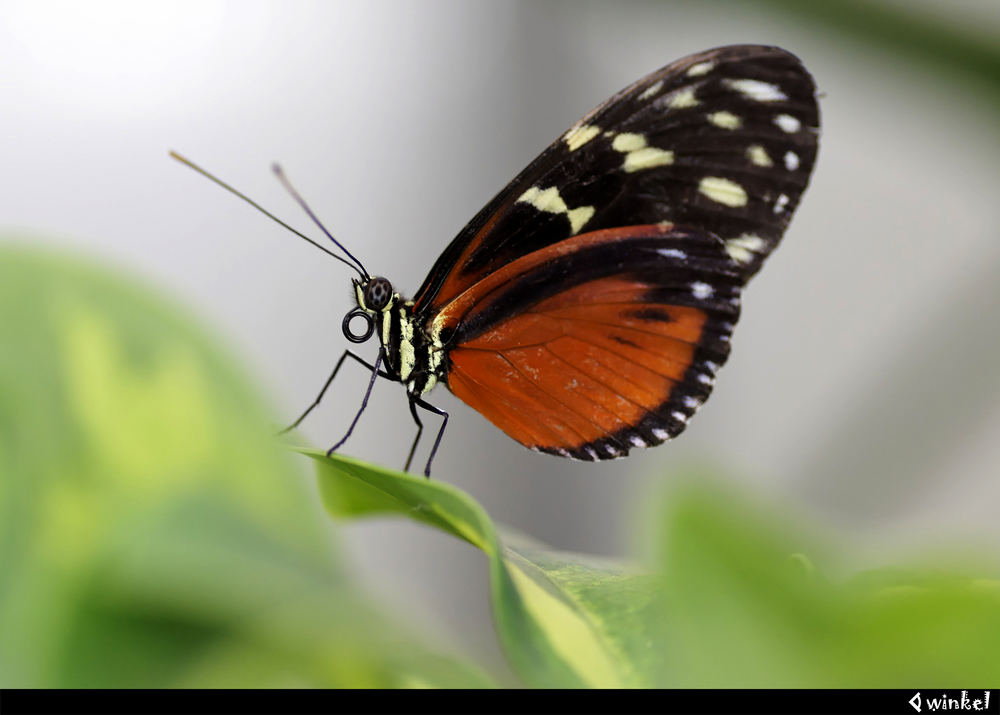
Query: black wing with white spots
{"points": [[723, 141]]}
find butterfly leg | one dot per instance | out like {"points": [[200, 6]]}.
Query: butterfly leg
{"points": [[347, 353], [364, 402], [416, 439], [417, 402]]}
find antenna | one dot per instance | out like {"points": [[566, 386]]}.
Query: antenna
{"points": [[227, 187], [302, 202]]}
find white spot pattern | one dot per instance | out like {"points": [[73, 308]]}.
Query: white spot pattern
{"points": [[683, 99], [580, 135], [550, 201], [756, 90], [787, 123], [701, 290], [723, 191], [725, 120], [742, 248], [791, 161], [652, 90], [700, 69], [758, 155], [638, 155], [628, 142]]}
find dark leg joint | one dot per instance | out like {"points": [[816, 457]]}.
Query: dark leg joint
{"points": [[418, 402]]}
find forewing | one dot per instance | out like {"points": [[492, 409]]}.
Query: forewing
{"points": [[600, 343], [723, 141]]}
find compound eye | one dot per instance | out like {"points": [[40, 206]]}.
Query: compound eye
{"points": [[377, 293]]}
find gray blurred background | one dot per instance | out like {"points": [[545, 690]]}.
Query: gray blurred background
{"points": [[863, 389]]}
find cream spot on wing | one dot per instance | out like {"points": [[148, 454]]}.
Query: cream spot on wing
{"points": [[672, 253], [791, 161], [638, 156], [743, 248], [627, 141], [547, 200], [780, 204], [725, 120], [787, 123], [723, 191], [578, 217], [652, 90], [647, 158], [738, 254], [550, 201], [700, 69], [756, 90], [701, 290], [660, 433], [683, 98], [637, 441], [580, 135], [758, 155]]}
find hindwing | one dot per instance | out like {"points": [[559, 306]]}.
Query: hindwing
{"points": [[596, 344]]}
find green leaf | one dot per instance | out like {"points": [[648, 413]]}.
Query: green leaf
{"points": [[564, 620], [152, 531], [743, 608], [732, 600]]}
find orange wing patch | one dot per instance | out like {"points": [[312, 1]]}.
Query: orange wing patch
{"points": [[587, 373]]}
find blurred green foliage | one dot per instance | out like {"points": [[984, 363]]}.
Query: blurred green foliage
{"points": [[152, 532], [557, 629], [928, 37], [743, 607], [728, 600]]}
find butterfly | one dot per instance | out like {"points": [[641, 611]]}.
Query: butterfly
{"points": [[587, 308]]}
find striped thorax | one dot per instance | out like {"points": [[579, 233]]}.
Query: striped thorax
{"points": [[411, 356]]}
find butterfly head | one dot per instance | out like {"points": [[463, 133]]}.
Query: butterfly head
{"points": [[374, 296]]}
